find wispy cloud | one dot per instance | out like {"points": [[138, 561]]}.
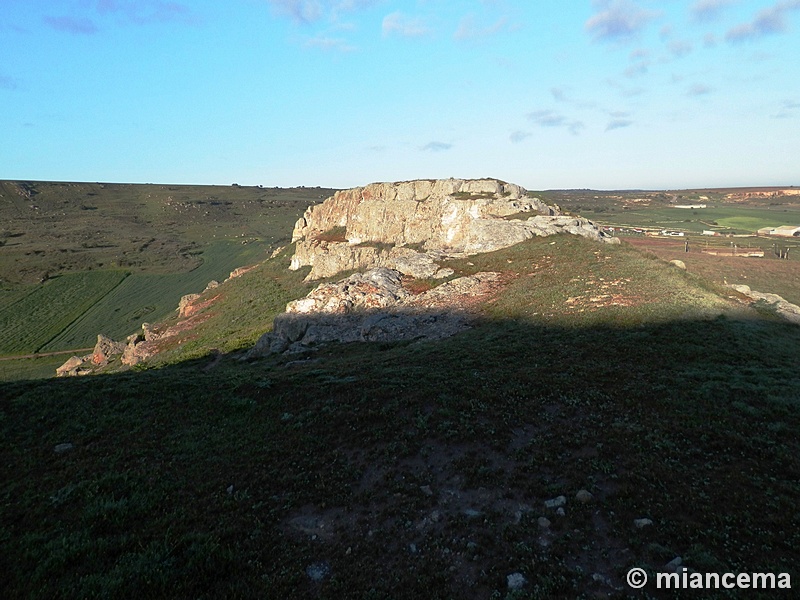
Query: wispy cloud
{"points": [[436, 147], [769, 21], [709, 10], [330, 44], [143, 12], [397, 23], [301, 11], [469, 30], [699, 89], [618, 20], [519, 136], [618, 124], [680, 47], [73, 25], [551, 118], [788, 110], [309, 11]]}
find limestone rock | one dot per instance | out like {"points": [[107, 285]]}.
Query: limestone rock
{"points": [[105, 348], [784, 309], [375, 225], [70, 367], [679, 264], [374, 306], [185, 305]]}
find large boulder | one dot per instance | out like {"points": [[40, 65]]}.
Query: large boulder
{"points": [[374, 306], [378, 225], [105, 349]]}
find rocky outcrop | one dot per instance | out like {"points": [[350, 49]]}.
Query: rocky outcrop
{"points": [[374, 306], [408, 226], [784, 309], [104, 350]]}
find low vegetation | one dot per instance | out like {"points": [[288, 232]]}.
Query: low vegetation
{"points": [[413, 470]]}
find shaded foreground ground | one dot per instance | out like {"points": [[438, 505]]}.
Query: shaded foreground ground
{"points": [[412, 470]]}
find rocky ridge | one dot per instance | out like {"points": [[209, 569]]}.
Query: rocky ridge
{"points": [[390, 232], [411, 226]]}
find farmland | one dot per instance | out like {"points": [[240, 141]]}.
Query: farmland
{"points": [[78, 259]]}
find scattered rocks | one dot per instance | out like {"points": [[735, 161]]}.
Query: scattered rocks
{"points": [[373, 306], [642, 523], [583, 496], [544, 523], [426, 489], [62, 448]]}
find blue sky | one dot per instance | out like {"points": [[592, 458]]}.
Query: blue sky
{"points": [[603, 94]]}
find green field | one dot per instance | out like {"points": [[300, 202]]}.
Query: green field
{"points": [[34, 320], [725, 219], [144, 297]]}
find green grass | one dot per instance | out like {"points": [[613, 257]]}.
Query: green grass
{"points": [[144, 297], [30, 323]]}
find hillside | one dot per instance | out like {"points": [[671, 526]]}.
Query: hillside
{"points": [[660, 405], [80, 258]]}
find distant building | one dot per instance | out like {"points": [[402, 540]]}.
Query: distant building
{"points": [[707, 232], [782, 231], [690, 206]]}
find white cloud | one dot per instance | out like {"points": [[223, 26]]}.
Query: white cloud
{"points": [[618, 124], [709, 10], [397, 23], [618, 20], [550, 118], [468, 29], [436, 147], [769, 21]]}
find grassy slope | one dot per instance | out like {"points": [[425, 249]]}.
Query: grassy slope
{"points": [[172, 240], [656, 406]]}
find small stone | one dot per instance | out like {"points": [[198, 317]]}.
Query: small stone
{"points": [[516, 581], [318, 571], [544, 523], [555, 502], [472, 513], [678, 263], [229, 489], [426, 489], [560, 512], [412, 548], [642, 523], [583, 496], [61, 448]]}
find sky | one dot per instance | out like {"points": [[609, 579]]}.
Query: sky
{"points": [[602, 94]]}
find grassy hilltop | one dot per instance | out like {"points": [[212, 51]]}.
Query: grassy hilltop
{"points": [[408, 470]]}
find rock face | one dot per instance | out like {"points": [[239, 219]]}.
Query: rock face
{"points": [[374, 306], [784, 309], [407, 226], [105, 348]]}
